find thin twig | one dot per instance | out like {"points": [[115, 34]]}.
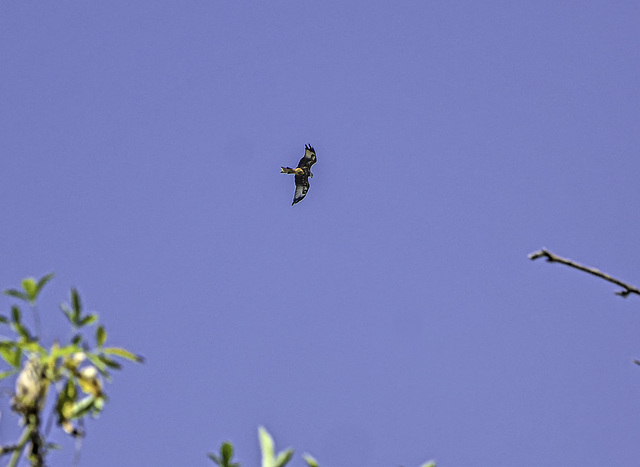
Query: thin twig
{"points": [[551, 258], [26, 435], [8, 448]]}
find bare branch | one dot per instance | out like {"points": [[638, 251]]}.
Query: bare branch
{"points": [[551, 258]]}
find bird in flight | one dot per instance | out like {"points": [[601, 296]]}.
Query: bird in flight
{"points": [[302, 173]]}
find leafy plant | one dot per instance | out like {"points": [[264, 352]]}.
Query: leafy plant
{"points": [[269, 457], [224, 459], [76, 371], [267, 446]]}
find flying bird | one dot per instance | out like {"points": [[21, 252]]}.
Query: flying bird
{"points": [[302, 173]]}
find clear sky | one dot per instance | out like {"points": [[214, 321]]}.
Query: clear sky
{"points": [[392, 316]]}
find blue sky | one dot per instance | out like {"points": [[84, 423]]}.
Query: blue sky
{"points": [[392, 316]]}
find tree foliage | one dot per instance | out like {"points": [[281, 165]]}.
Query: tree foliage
{"points": [[70, 375]]}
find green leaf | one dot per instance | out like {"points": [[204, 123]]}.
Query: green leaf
{"points": [[24, 332], [16, 294], [11, 353], [76, 339], [65, 351], [101, 335], [226, 453], [99, 364], [283, 458], [30, 287], [42, 282], [310, 460], [4, 319], [124, 354], [267, 447], [429, 464], [15, 314], [68, 313], [110, 362], [89, 319], [32, 347], [226, 450], [66, 399], [82, 407], [76, 304]]}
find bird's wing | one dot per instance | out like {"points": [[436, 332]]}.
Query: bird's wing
{"points": [[309, 157], [302, 186]]}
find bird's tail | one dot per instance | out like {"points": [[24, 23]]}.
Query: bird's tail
{"points": [[287, 170]]}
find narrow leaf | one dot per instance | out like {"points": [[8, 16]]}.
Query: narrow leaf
{"points": [[15, 314], [266, 446], [68, 313], [101, 335], [42, 282], [110, 362], [76, 304], [283, 458], [4, 319], [11, 353], [16, 358], [82, 407], [17, 294], [33, 347], [310, 460], [99, 364], [86, 320], [30, 287], [123, 353], [24, 332]]}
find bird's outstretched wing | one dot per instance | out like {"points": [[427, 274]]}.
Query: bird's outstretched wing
{"points": [[308, 159], [302, 179], [302, 186]]}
